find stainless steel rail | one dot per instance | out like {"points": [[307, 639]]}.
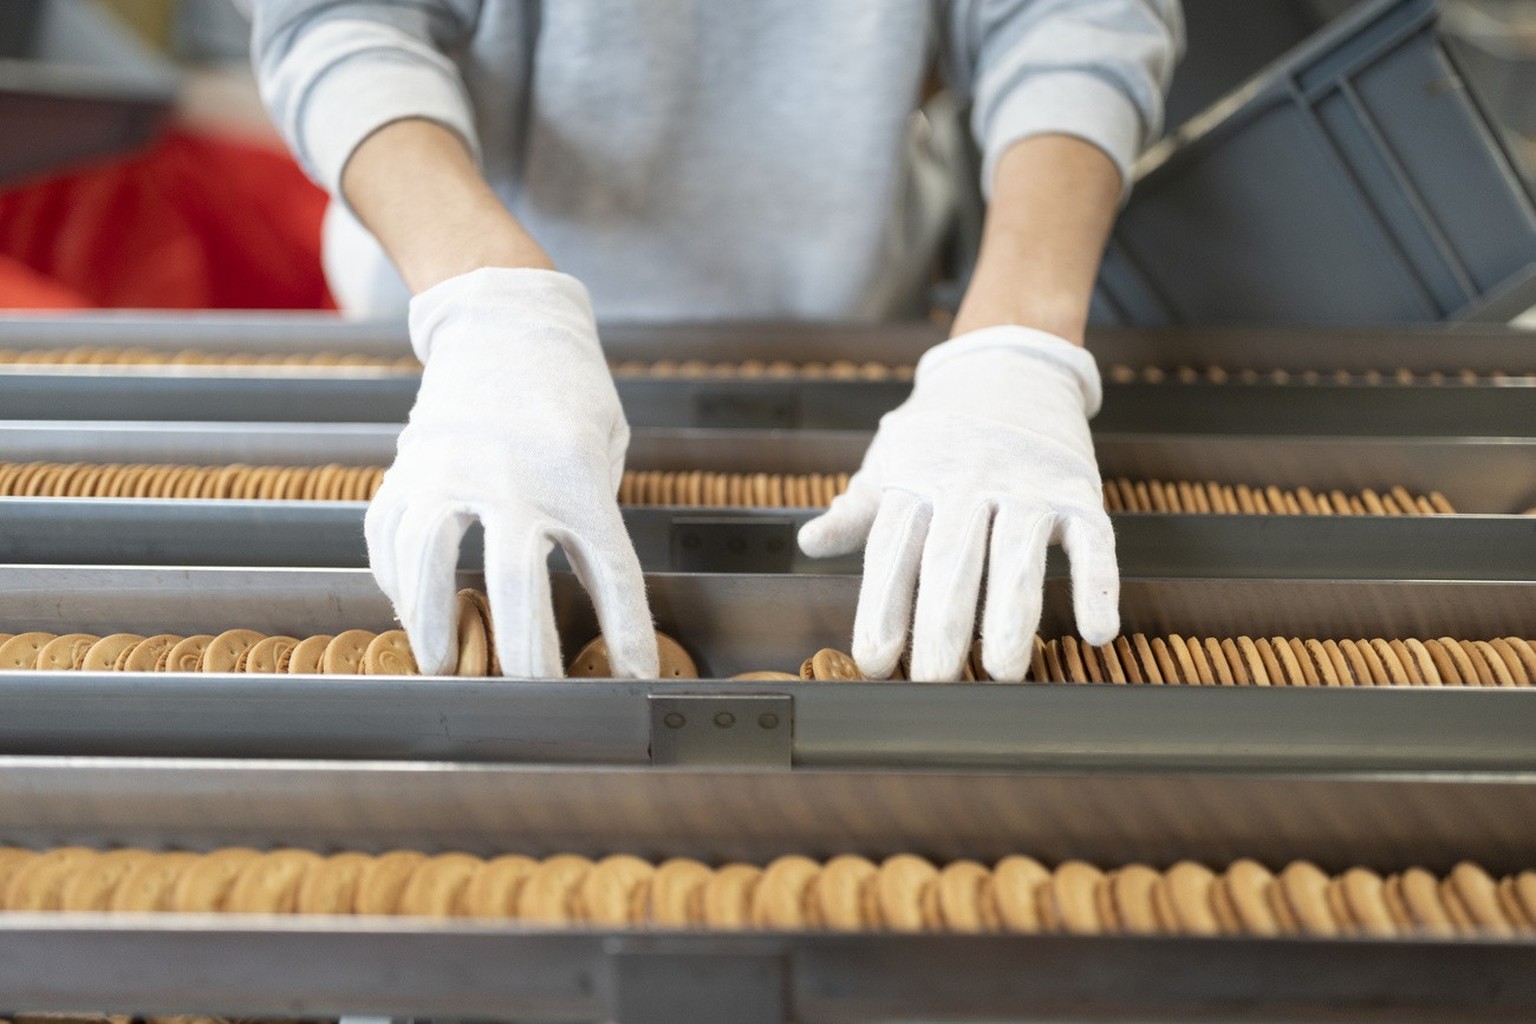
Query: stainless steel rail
{"points": [[402, 969], [378, 397], [674, 539], [1420, 349]]}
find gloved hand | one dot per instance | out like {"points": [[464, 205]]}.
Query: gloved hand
{"points": [[517, 424], [985, 464]]}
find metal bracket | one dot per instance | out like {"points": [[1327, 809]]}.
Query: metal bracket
{"points": [[666, 981], [747, 408], [733, 544], [750, 730]]}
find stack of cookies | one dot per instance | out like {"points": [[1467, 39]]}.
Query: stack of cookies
{"points": [[103, 357], [234, 482], [695, 488], [1403, 377], [1122, 495], [1285, 661], [751, 369], [903, 893]]}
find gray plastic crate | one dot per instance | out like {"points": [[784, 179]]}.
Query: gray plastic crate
{"points": [[1355, 181], [74, 85]]}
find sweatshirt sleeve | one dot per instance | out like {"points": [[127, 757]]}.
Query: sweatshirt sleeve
{"points": [[1095, 69], [332, 73]]}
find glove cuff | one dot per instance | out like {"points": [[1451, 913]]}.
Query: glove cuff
{"points": [[1027, 342], [525, 296]]}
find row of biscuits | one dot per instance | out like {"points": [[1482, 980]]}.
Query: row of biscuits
{"points": [[236, 482], [904, 893], [1122, 495], [333, 482], [747, 369], [102, 356], [1131, 659], [1286, 661], [1122, 374]]}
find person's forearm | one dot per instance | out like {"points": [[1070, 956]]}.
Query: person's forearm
{"points": [[1053, 201], [415, 185]]}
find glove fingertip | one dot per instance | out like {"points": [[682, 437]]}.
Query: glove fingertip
{"points": [[876, 660], [1004, 666], [1099, 625], [633, 655], [825, 536]]}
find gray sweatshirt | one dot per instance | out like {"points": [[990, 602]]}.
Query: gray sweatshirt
{"points": [[710, 158]]}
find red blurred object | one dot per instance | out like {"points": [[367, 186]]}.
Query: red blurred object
{"points": [[193, 222]]}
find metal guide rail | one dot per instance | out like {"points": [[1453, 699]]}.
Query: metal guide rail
{"points": [[732, 624], [1485, 350], [746, 404], [703, 540], [364, 394], [394, 967]]}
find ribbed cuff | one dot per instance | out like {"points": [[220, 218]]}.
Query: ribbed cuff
{"points": [[363, 92], [1073, 103]]}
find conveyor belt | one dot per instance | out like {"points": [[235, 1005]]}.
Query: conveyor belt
{"points": [[1380, 777]]}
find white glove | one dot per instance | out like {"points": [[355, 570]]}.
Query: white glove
{"points": [[987, 463], [517, 424]]}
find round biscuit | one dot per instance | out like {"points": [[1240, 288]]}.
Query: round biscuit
{"points": [[38, 882], [106, 653], [92, 885], [674, 661], [494, 888], [615, 892], [1071, 897], [383, 879], [900, 888], [227, 651], [150, 653], [1303, 888], [1189, 894], [1129, 891], [1015, 882], [483, 607], [1477, 894], [204, 885], [1363, 894], [726, 899], [270, 655], [64, 653], [839, 893], [148, 884], [344, 654], [20, 652], [270, 883], [674, 896], [828, 665], [436, 887], [330, 887], [1421, 895], [549, 893], [474, 651], [390, 655], [779, 900], [306, 657]]}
